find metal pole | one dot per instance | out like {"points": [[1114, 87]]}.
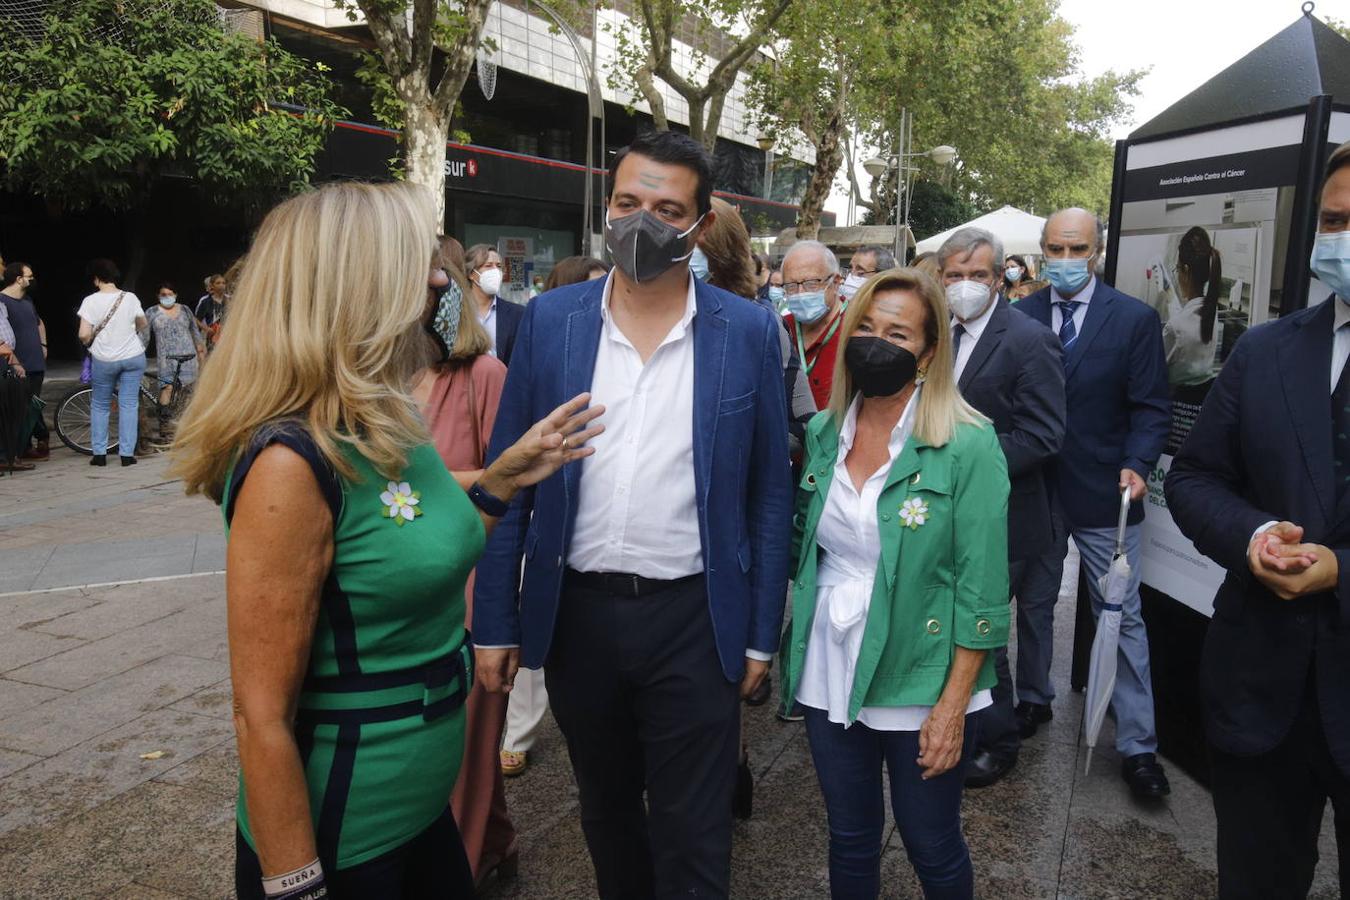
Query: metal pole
{"points": [[901, 149], [595, 109]]}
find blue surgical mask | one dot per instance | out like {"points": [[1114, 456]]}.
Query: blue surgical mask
{"points": [[1330, 262], [776, 295], [698, 264], [1067, 275], [168, 301], [807, 307]]}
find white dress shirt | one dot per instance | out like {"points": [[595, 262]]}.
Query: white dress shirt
{"points": [[637, 507], [1080, 312], [850, 547], [489, 322], [974, 328], [1340, 342]]}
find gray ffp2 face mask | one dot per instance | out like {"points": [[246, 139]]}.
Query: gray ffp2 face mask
{"points": [[644, 248]]}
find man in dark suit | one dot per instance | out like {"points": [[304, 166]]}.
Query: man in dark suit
{"points": [[1009, 367], [1118, 418], [655, 571], [499, 317], [1262, 486]]}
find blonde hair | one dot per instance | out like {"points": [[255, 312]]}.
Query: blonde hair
{"points": [[941, 407], [326, 329]]}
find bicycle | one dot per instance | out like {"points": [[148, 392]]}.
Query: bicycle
{"points": [[72, 413]]}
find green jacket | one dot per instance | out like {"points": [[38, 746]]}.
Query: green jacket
{"points": [[941, 585]]}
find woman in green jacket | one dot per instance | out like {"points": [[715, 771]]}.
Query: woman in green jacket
{"points": [[901, 587]]}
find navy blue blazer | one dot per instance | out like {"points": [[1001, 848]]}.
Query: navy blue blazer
{"points": [[741, 473], [508, 325], [1015, 376], [1261, 450], [1116, 403]]}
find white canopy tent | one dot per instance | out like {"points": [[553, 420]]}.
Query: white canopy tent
{"points": [[1019, 231]]}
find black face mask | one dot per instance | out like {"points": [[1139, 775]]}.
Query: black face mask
{"points": [[878, 367], [644, 248]]}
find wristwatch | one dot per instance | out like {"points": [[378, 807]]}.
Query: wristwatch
{"points": [[493, 506]]}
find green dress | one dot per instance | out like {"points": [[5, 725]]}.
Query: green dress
{"points": [[380, 725]]}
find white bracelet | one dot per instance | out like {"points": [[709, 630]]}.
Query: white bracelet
{"points": [[292, 881]]}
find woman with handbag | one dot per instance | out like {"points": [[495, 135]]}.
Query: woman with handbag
{"points": [[111, 326], [458, 396]]}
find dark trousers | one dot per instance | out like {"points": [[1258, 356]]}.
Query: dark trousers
{"points": [[35, 380], [638, 690], [927, 813], [431, 865], [1270, 809], [999, 734]]}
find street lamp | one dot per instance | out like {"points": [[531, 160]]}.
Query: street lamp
{"points": [[943, 155], [765, 142]]}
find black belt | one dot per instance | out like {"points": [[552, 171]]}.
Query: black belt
{"points": [[431, 691], [623, 584]]}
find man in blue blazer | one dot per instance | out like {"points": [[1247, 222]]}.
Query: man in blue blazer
{"points": [[654, 570], [1117, 421], [1011, 368], [1262, 486]]}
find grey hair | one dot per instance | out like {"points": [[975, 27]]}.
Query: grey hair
{"points": [[966, 241], [825, 253], [885, 258], [1098, 229]]}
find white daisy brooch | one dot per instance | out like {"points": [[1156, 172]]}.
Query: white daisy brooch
{"points": [[914, 512], [401, 502]]}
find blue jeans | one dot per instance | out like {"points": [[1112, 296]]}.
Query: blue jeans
{"points": [[927, 813], [1132, 699], [124, 376]]}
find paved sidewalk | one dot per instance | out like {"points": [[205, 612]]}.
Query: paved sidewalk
{"points": [[93, 680]]}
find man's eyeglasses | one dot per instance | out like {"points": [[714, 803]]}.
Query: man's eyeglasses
{"points": [[811, 285], [863, 273]]}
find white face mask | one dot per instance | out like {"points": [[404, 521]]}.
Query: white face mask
{"points": [[168, 300], [968, 299], [851, 285], [490, 281]]}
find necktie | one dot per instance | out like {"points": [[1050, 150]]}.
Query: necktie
{"points": [[1067, 330], [957, 330], [1340, 426]]}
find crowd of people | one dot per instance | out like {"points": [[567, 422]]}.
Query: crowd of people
{"points": [[623, 500]]}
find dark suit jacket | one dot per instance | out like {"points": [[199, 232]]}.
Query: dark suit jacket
{"points": [[1015, 376], [508, 324], [1118, 414], [740, 472], [1261, 450]]}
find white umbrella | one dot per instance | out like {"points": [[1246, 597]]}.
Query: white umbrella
{"points": [[1102, 663]]}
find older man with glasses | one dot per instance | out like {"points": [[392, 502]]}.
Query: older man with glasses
{"points": [[815, 309]]}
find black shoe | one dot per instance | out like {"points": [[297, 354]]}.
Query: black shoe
{"points": [[98, 459], [1145, 776], [128, 461], [987, 768], [743, 801], [792, 715], [760, 696], [1030, 717]]}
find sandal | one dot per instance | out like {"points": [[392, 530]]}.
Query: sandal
{"points": [[514, 762]]}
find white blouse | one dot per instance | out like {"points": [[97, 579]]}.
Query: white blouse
{"points": [[1189, 359], [850, 547]]}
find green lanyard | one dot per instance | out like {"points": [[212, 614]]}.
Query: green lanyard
{"points": [[834, 326]]}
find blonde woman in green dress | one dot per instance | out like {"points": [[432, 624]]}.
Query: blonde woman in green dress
{"points": [[349, 545]]}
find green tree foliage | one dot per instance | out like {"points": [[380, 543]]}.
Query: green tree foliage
{"points": [[424, 52], [94, 122], [997, 79], [725, 37]]}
